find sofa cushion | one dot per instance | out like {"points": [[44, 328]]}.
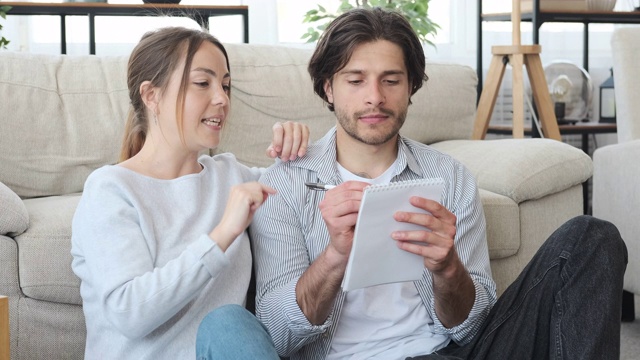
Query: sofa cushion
{"points": [[271, 83], [48, 100], [75, 120], [446, 104], [553, 166], [268, 85], [44, 251], [14, 218], [503, 224]]}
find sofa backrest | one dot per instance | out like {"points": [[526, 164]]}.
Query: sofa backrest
{"points": [[272, 84], [61, 117]]}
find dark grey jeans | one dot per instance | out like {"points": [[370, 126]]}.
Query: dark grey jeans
{"points": [[566, 304]]}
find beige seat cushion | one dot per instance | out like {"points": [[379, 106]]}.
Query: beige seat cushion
{"points": [[503, 224], [44, 251]]}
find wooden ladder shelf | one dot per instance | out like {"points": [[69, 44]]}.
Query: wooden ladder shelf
{"points": [[518, 56]]}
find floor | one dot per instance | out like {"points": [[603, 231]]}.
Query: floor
{"points": [[630, 336]]}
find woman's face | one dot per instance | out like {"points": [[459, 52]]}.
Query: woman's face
{"points": [[206, 103]]}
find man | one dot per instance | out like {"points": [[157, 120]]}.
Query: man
{"points": [[366, 67]]}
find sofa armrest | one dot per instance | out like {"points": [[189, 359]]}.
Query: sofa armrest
{"points": [[616, 189], [14, 218], [521, 169], [616, 198], [615, 178]]}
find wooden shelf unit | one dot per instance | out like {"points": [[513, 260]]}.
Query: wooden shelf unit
{"points": [[538, 17], [199, 13]]}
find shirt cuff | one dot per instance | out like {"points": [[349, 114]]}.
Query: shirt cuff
{"points": [[465, 331], [298, 322]]}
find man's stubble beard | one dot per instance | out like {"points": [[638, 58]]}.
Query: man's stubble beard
{"points": [[350, 125]]}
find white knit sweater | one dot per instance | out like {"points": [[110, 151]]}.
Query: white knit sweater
{"points": [[149, 271]]}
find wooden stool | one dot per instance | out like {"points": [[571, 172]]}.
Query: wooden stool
{"points": [[5, 350], [518, 56]]}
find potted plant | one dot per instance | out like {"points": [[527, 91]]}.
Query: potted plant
{"points": [[414, 10], [3, 14]]}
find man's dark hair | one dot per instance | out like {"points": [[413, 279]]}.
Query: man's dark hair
{"points": [[359, 26]]}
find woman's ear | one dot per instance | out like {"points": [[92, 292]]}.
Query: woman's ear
{"points": [[150, 95]]}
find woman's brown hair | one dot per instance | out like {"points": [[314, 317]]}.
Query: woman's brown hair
{"points": [[154, 59], [360, 26]]}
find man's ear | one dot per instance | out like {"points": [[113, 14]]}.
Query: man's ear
{"points": [[150, 95], [328, 90]]}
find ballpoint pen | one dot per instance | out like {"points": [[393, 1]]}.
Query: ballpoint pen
{"points": [[319, 186]]}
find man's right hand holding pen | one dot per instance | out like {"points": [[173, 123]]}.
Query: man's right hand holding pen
{"points": [[317, 288]]}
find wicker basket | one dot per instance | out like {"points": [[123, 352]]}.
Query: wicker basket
{"points": [[601, 5]]}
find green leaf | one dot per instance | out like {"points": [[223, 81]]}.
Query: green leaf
{"points": [[315, 37], [416, 11], [4, 42], [345, 6]]}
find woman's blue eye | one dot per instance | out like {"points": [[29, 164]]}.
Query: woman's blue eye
{"points": [[226, 88]]}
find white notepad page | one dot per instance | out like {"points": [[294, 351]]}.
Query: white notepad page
{"points": [[375, 257]]}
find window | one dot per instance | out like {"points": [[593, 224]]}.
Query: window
{"points": [[115, 35], [291, 12]]}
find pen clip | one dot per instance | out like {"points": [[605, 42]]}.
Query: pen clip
{"points": [[318, 186]]}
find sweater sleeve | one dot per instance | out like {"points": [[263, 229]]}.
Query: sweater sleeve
{"points": [[115, 262]]}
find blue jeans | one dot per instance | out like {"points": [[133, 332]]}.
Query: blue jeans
{"points": [[566, 304], [230, 332]]}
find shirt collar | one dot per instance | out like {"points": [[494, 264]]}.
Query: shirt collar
{"points": [[407, 158], [321, 158]]}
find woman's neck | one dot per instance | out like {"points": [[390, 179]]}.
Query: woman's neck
{"points": [[161, 162]]}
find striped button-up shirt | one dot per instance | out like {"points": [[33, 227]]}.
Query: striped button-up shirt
{"points": [[288, 234]]}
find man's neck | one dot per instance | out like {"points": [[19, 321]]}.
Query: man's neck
{"points": [[367, 161]]}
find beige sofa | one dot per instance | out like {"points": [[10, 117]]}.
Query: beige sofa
{"points": [[61, 117]]}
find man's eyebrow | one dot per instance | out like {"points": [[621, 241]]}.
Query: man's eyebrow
{"points": [[210, 72], [394, 72], [360, 72]]}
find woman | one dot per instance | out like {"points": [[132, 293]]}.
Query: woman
{"points": [[154, 244]]}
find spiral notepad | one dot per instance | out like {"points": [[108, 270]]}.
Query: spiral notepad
{"points": [[375, 258]]}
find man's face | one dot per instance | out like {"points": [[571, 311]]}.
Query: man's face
{"points": [[371, 93]]}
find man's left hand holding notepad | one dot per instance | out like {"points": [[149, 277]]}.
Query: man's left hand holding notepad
{"points": [[375, 257]]}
